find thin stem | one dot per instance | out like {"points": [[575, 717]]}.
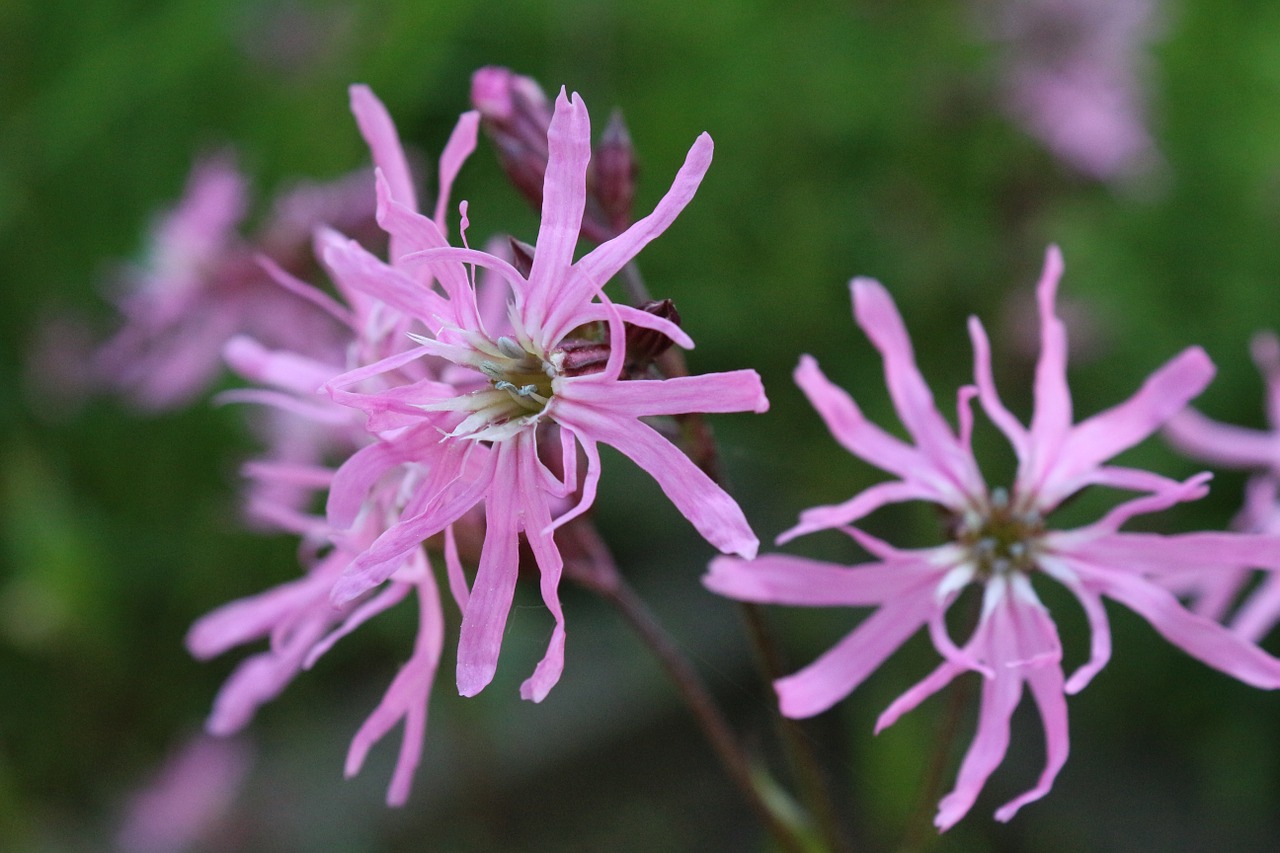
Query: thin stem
{"points": [[920, 834], [602, 578], [701, 446], [814, 786]]}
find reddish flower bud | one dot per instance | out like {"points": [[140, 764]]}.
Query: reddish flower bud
{"points": [[645, 345], [521, 256], [615, 166], [516, 114], [579, 356]]}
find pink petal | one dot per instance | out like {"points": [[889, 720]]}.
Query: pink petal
{"points": [[278, 368], [406, 698], [781, 579], [1046, 688], [462, 141], [636, 317], [941, 676], [1199, 637], [1000, 696], [355, 478], [734, 391], [384, 600], [1166, 392], [852, 430], [1095, 613], [1013, 430], [564, 197], [390, 550], [306, 292], [257, 680], [1222, 444], [1259, 613], [357, 269], [537, 518], [859, 506], [590, 483], [1051, 420], [485, 620], [320, 411], [251, 618], [710, 509], [453, 566], [879, 318], [847, 664], [595, 269], [379, 132], [415, 233]]}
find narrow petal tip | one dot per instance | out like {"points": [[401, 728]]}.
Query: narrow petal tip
{"points": [[472, 678]]}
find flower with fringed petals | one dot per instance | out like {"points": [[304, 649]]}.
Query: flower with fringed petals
{"points": [[1000, 543], [298, 617], [1242, 448], [479, 443]]}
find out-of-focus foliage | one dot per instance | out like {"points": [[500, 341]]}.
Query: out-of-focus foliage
{"points": [[851, 138]]}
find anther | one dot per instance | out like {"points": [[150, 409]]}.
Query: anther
{"points": [[510, 348]]}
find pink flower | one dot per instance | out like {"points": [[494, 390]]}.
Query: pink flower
{"points": [[298, 617], [1073, 79], [201, 285], [999, 542], [188, 799], [542, 377], [1250, 450]]}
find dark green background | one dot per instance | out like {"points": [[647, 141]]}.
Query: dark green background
{"points": [[851, 138]]}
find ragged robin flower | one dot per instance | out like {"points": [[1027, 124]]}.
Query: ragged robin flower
{"points": [[1000, 543], [553, 374]]}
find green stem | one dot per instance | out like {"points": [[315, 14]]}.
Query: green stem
{"points": [[921, 835], [700, 443], [598, 573], [814, 785]]}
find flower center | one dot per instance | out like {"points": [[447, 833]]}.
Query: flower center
{"points": [[523, 376], [1002, 539]]}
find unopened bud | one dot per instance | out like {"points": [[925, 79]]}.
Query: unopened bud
{"points": [[516, 115], [645, 345], [615, 166], [578, 357], [521, 256]]}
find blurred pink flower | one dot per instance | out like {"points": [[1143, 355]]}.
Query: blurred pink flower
{"points": [[1073, 79], [477, 436], [1250, 450], [298, 617], [187, 799], [999, 542], [201, 284]]}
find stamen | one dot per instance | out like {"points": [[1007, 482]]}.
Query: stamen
{"points": [[511, 349], [522, 390]]}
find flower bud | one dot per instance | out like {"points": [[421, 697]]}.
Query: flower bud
{"points": [[644, 346], [615, 166], [579, 356], [516, 114], [521, 256]]}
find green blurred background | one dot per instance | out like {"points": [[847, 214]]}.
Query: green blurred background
{"points": [[859, 138]]}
